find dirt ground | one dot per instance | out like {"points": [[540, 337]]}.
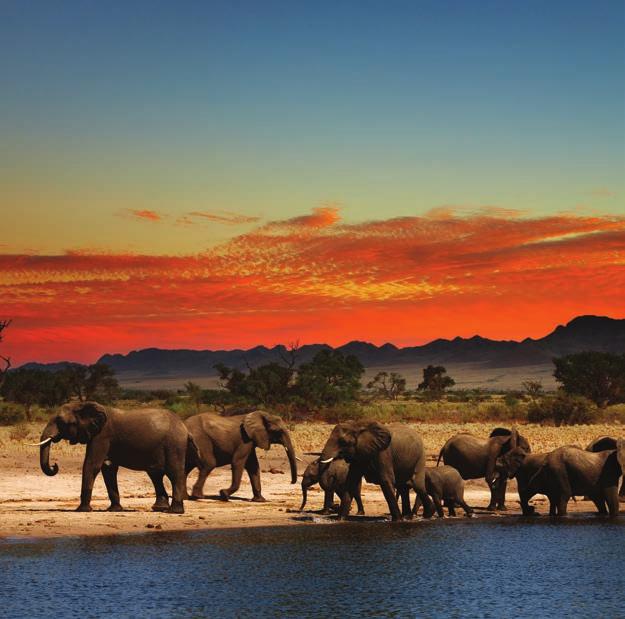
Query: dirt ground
{"points": [[33, 505]]}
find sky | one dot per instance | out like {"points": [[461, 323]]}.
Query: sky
{"points": [[227, 174]]}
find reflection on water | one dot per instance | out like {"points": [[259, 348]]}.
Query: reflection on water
{"points": [[505, 568]]}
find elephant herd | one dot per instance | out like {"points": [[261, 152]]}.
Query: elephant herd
{"points": [[392, 456]]}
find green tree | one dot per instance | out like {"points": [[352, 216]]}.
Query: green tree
{"points": [[598, 376], [30, 387], [330, 378], [195, 394], [100, 383], [388, 385], [435, 381]]}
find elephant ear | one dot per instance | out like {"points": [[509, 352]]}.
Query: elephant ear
{"points": [[255, 426], [514, 438], [91, 418], [372, 439]]}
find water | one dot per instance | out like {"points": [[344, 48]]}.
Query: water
{"points": [[459, 568]]}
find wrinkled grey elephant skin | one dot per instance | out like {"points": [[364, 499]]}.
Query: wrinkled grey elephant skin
{"points": [[151, 440], [232, 441], [391, 456], [332, 481], [444, 484]]}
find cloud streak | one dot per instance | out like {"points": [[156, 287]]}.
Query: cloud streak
{"points": [[317, 278]]}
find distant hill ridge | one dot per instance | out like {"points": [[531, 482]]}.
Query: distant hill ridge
{"points": [[599, 333]]}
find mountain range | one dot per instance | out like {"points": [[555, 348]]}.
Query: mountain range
{"points": [[582, 333]]}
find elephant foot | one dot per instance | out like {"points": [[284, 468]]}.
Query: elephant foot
{"points": [[84, 508], [325, 512], [161, 505], [115, 508], [177, 507], [259, 499], [501, 508], [223, 495], [360, 512]]}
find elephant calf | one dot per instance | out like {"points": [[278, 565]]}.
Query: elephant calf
{"points": [[518, 463], [444, 483], [332, 480], [151, 440]]}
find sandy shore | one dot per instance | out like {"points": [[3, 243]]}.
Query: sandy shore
{"points": [[32, 505]]}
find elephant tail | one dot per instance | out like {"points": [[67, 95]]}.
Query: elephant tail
{"points": [[193, 457], [440, 455]]}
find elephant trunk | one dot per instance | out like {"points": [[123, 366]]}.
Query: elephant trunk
{"points": [[304, 496], [328, 454], [290, 452], [49, 434]]}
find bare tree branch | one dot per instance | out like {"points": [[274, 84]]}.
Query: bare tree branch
{"points": [[289, 357]]}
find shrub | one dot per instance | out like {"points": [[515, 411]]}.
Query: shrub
{"points": [[563, 410], [11, 413], [20, 431]]}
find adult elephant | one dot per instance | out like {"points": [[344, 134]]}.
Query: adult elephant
{"points": [[151, 440], [601, 444], [475, 458], [570, 471], [391, 456], [233, 440]]}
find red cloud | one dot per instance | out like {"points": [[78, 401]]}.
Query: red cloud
{"points": [[313, 278], [142, 214]]}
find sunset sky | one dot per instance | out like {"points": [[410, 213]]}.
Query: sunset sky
{"points": [[227, 174]]}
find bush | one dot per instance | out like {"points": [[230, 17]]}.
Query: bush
{"points": [[20, 431], [500, 412], [563, 410], [11, 414]]}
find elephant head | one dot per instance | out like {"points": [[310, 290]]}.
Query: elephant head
{"points": [[356, 441], [509, 464], [265, 430], [309, 478], [501, 442], [76, 423]]}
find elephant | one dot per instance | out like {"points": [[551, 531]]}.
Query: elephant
{"points": [[600, 444], [391, 456], [473, 458], [518, 463], [151, 440], [233, 440], [332, 480], [444, 483], [571, 471]]}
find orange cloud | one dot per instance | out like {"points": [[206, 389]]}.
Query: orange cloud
{"points": [[144, 214], [315, 278], [221, 217]]}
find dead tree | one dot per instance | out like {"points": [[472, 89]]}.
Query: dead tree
{"points": [[6, 360]]}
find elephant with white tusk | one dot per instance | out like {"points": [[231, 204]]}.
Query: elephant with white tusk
{"points": [[151, 440]]}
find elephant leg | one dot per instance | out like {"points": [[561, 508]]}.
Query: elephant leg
{"points": [[178, 479], [253, 470], [206, 466], [346, 503], [404, 493], [238, 464], [450, 504], [94, 458], [501, 495], [328, 502], [468, 510], [109, 472], [621, 492], [162, 498], [417, 505], [361, 508], [438, 505], [612, 499], [562, 504], [418, 483], [389, 494]]}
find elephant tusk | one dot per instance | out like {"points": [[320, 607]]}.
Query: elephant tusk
{"points": [[298, 459], [326, 461], [44, 442]]}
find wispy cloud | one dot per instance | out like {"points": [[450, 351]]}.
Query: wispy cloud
{"points": [[316, 277], [220, 217], [144, 214], [602, 192]]}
